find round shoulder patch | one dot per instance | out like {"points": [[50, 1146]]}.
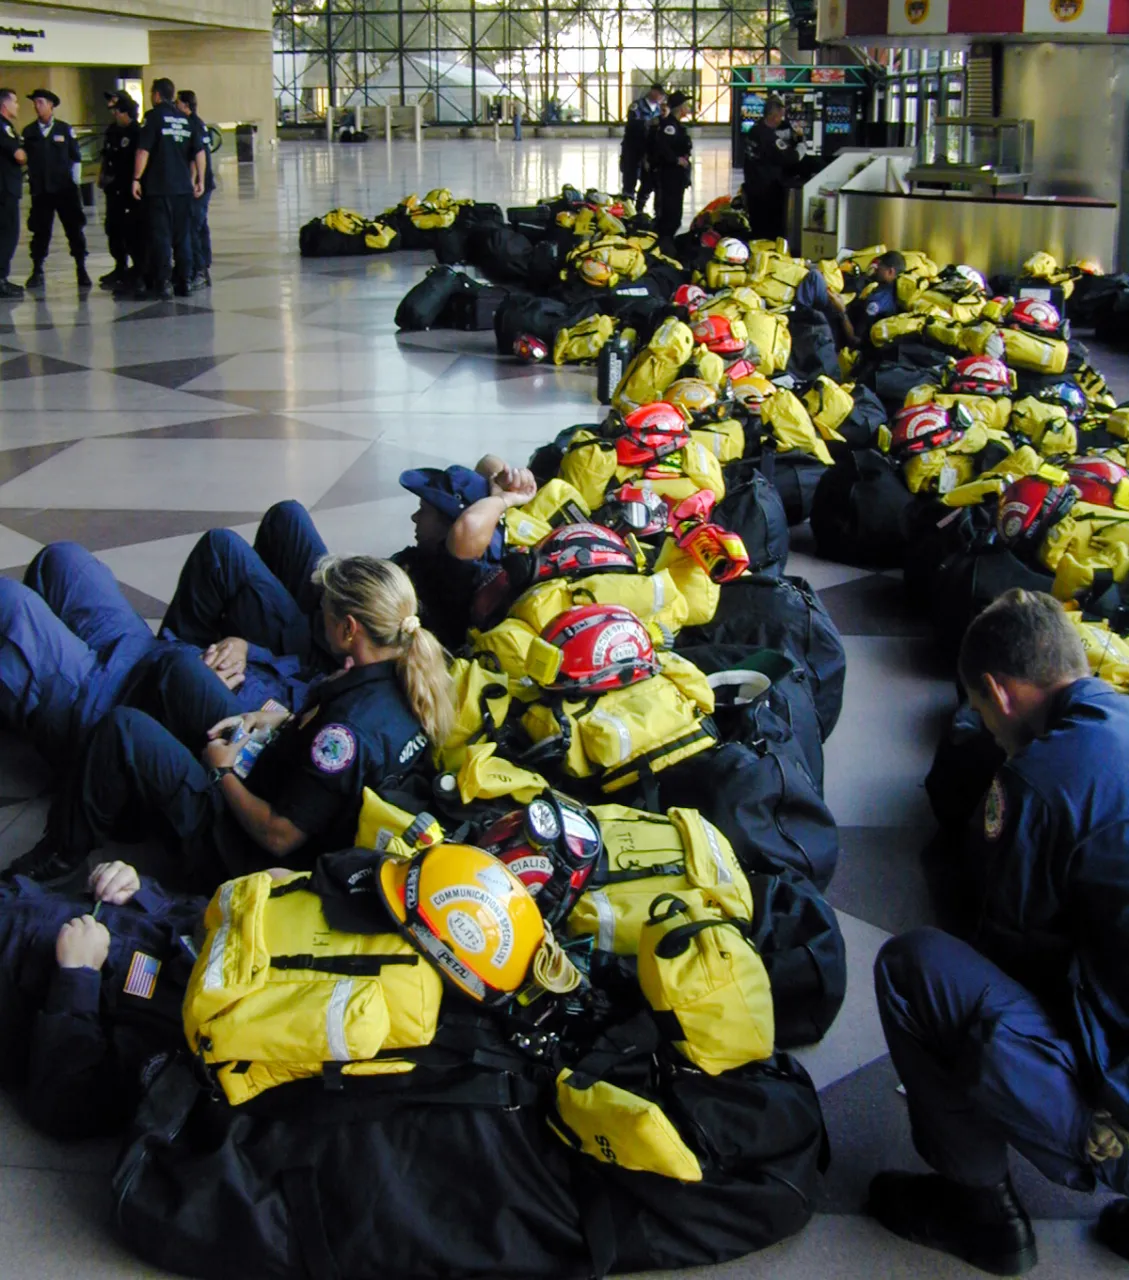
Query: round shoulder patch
{"points": [[333, 749], [669, 129], [873, 308], [995, 809]]}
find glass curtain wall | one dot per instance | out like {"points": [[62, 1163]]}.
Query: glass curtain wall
{"points": [[469, 61], [920, 86]]}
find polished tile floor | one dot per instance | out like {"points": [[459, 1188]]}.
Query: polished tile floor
{"points": [[132, 428]]}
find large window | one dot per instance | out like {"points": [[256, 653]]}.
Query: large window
{"points": [[556, 60], [920, 86]]}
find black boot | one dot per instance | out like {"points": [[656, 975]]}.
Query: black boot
{"points": [[35, 280], [1113, 1228], [81, 275], [44, 864], [112, 278], [986, 1226]]}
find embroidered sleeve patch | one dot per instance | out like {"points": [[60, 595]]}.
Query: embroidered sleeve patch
{"points": [[994, 810], [141, 980], [334, 749]]}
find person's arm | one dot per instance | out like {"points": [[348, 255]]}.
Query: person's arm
{"points": [[271, 831], [72, 148], [470, 536], [145, 142], [199, 172]]}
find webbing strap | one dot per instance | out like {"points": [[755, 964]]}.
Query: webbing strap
{"points": [[351, 965], [705, 732]]}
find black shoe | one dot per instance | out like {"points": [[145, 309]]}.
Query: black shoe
{"points": [[197, 283], [165, 292], [43, 864], [1113, 1228], [10, 291], [35, 280], [81, 275], [986, 1226], [207, 279], [111, 278]]}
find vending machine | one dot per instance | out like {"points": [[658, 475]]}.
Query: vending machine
{"points": [[829, 103]]}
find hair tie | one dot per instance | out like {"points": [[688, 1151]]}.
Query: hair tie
{"points": [[409, 626]]}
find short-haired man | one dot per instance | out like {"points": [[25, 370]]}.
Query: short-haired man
{"points": [[54, 166], [201, 235], [876, 300], [12, 159], [115, 177], [774, 148], [1021, 1039], [641, 116], [169, 173]]}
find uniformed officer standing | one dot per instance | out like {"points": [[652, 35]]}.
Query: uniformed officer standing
{"points": [[168, 173], [201, 234], [672, 166], [1022, 1039], [119, 150], [53, 164], [12, 158], [640, 116], [773, 149], [648, 180]]}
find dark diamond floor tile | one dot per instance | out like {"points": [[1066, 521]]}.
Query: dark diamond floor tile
{"points": [[271, 401], [873, 606], [161, 310], [376, 474], [172, 373], [14, 462], [146, 605], [33, 365], [266, 426], [880, 877], [100, 530], [868, 1126]]}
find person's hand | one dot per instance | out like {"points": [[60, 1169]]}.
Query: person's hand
{"points": [[136, 188], [251, 720], [197, 188], [227, 656], [343, 669], [82, 943], [684, 161], [114, 882], [19, 155], [514, 485], [220, 754]]}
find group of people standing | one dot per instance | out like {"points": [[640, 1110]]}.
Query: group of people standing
{"points": [[655, 155], [157, 177]]}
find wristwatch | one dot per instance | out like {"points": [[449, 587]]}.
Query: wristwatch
{"points": [[214, 775]]}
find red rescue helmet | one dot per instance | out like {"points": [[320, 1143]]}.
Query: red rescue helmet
{"points": [[529, 348], [1097, 479], [603, 646], [922, 427], [637, 510], [690, 296], [1035, 316], [1030, 506], [980, 376], [552, 846], [576, 550], [658, 416], [653, 432], [717, 334]]}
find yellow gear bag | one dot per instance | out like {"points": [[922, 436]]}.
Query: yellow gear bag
{"points": [[733, 304], [862, 258], [937, 471], [590, 465], [1094, 387], [482, 701], [830, 404], [386, 827], [621, 1128], [890, 328], [1024, 461], [651, 597], [772, 339], [701, 593], [776, 278], [935, 302], [276, 994], [347, 221], [1030, 351], [581, 343], [725, 275], [1106, 651], [1045, 425], [646, 854], [556, 503], [654, 368], [992, 412], [829, 269], [708, 986], [792, 426], [724, 439]]}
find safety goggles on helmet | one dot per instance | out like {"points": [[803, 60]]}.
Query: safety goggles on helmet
{"points": [[1033, 315], [1030, 506], [718, 336], [551, 846], [1069, 395], [592, 196], [577, 550], [529, 348], [1100, 481], [732, 251], [719, 551], [690, 296], [595, 271], [710, 239], [603, 646], [469, 915], [693, 397], [980, 376], [922, 427], [638, 510]]}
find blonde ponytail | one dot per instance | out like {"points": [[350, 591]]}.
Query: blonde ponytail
{"points": [[380, 596]]}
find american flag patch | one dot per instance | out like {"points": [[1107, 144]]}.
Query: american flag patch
{"points": [[141, 980]]}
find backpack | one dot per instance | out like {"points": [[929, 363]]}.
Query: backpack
{"points": [[424, 303], [858, 510], [752, 509], [277, 995], [762, 798], [781, 613], [788, 694]]}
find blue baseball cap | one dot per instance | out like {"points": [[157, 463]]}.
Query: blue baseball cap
{"points": [[450, 491]]}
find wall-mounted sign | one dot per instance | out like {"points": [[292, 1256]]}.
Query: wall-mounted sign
{"points": [[1063, 20], [27, 35], [829, 75]]}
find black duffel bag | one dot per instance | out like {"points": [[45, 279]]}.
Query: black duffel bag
{"points": [[423, 305], [753, 510], [795, 476], [965, 762], [966, 582], [858, 511]]}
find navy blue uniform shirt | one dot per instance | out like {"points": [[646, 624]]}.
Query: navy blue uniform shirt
{"points": [[1054, 851], [51, 156], [172, 141], [874, 303], [11, 171]]}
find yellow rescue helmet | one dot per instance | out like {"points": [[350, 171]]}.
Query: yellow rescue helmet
{"points": [[752, 389], [469, 915], [691, 396], [596, 271]]}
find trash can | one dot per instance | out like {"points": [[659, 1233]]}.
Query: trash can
{"points": [[245, 143]]}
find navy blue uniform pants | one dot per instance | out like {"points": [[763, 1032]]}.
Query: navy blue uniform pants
{"points": [[168, 235], [201, 235], [9, 231], [41, 220], [262, 593], [69, 641], [984, 1066]]}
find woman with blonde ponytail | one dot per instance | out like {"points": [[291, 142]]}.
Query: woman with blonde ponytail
{"points": [[366, 725]]}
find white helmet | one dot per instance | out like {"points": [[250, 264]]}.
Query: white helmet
{"points": [[731, 250]]}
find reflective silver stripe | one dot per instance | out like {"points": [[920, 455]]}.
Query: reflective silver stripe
{"points": [[213, 973], [658, 591], [335, 1020], [621, 731], [605, 920], [724, 875]]}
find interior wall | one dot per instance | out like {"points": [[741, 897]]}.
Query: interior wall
{"points": [[230, 72], [251, 15], [80, 89]]}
